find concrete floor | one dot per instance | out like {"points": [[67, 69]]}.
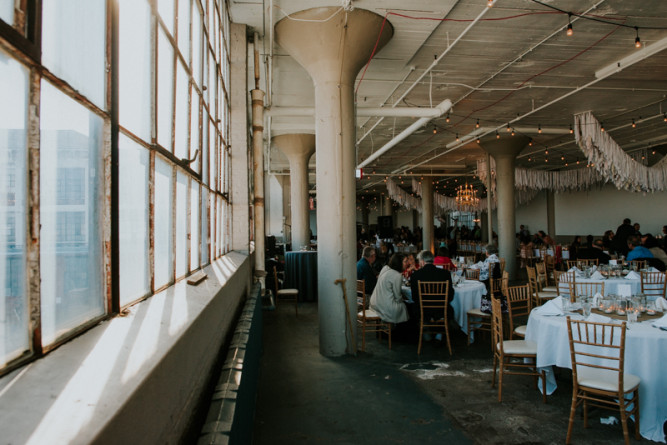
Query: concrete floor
{"points": [[395, 396]]}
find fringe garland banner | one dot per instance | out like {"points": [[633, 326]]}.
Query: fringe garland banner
{"points": [[402, 197], [609, 159]]}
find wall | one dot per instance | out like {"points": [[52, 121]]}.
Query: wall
{"points": [[593, 212], [273, 193], [132, 379]]}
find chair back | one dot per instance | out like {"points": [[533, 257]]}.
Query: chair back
{"points": [[448, 266], [582, 263], [541, 270], [471, 274], [361, 297], [654, 283], [518, 303], [502, 265], [588, 289], [433, 295], [597, 349], [497, 326], [637, 264], [563, 281]]}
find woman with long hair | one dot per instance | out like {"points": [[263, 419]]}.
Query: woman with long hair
{"points": [[387, 299]]}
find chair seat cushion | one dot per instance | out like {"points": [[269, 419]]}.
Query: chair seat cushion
{"points": [[543, 294], [478, 313], [523, 347], [549, 289], [605, 379], [521, 330], [288, 292], [370, 314]]}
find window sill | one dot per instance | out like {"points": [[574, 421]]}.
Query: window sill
{"points": [[135, 378]]}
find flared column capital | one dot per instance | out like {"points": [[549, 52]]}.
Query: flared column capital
{"points": [[505, 146], [296, 146]]}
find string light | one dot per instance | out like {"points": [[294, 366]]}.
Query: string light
{"points": [[539, 128], [489, 3], [457, 137], [435, 130], [447, 118], [638, 42], [569, 31], [546, 152], [664, 117], [571, 130], [512, 132], [508, 127], [602, 127], [633, 124], [478, 141], [497, 135], [477, 124]]}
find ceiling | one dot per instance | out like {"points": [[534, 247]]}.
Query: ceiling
{"points": [[509, 64]]}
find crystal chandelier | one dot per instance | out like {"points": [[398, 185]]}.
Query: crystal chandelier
{"points": [[466, 198]]}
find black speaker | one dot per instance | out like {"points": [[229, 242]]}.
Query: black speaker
{"points": [[385, 226]]}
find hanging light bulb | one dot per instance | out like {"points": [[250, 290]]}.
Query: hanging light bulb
{"points": [[508, 127], [489, 3], [539, 128], [546, 152], [638, 42], [530, 142], [569, 31], [633, 124], [664, 117], [477, 124], [435, 130], [447, 118], [478, 140], [497, 135], [602, 127], [457, 137], [512, 131], [571, 130]]}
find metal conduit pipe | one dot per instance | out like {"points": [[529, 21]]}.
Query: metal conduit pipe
{"points": [[364, 112], [443, 107]]}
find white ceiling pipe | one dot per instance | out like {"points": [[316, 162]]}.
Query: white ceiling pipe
{"points": [[443, 107], [363, 112], [634, 57]]}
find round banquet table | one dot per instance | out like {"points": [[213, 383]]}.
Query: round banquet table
{"points": [[301, 273], [645, 355]]}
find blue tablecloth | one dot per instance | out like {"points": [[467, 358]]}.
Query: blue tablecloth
{"points": [[301, 273]]}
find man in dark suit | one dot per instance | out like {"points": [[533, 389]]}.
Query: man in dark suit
{"points": [[428, 272], [593, 252], [620, 243]]}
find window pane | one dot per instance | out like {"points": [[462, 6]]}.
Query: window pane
{"points": [[181, 224], [219, 227], [194, 132], [7, 11], [71, 206], [134, 94], [73, 44], [184, 29], [212, 154], [196, 43], [162, 227], [182, 122], [204, 147], [194, 225], [13, 299], [205, 215], [134, 163], [166, 10], [165, 90]]}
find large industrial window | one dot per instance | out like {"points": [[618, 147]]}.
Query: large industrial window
{"points": [[80, 238]]}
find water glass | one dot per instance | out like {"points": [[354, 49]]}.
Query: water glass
{"points": [[650, 308], [586, 308], [632, 315], [621, 307]]}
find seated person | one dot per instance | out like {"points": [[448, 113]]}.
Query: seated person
{"points": [[636, 250], [490, 269], [428, 272], [411, 267], [387, 299], [651, 244], [365, 269], [443, 259], [596, 251]]}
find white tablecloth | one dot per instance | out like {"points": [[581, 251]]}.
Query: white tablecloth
{"points": [[467, 295], [645, 355]]}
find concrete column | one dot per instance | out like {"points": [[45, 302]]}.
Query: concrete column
{"points": [[489, 201], [428, 230], [298, 148], [239, 140], [504, 151], [551, 214], [333, 46]]}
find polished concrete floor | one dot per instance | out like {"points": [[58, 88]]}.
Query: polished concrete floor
{"points": [[384, 396]]}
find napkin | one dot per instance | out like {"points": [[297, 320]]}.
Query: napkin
{"points": [[653, 269], [660, 322], [597, 276], [551, 307], [661, 304], [596, 299], [574, 269], [597, 318], [632, 275]]}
